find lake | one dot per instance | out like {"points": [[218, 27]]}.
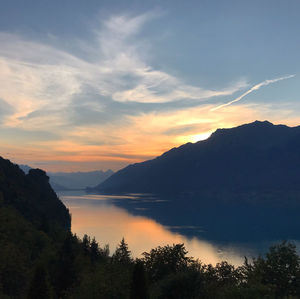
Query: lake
{"points": [[145, 221]]}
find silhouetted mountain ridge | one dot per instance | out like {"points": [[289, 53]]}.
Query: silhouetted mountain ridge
{"points": [[32, 196], [251, 157]]}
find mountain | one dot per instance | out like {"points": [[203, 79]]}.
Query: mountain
{"points": [[32, 196], [32, 220], [62, 181], [258, 156], [77, 180]]}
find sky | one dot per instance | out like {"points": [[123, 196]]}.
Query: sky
{"points": [[88, 85]]}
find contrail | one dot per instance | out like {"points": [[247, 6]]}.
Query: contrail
{"points": [[255, 87]]}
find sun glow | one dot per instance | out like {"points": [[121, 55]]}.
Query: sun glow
{"points": [[199, 137]]}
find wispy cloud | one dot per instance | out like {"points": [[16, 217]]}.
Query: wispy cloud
{"points": [[134, 79], [42, 81], [255, 87]]}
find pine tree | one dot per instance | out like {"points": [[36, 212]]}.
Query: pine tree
{"points": [[122, 253], [86, 242], [94, 250], [66, 272], [104, 252]]}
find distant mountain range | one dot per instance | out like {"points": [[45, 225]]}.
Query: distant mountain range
{"points": [[61, 181], [258, 157]]}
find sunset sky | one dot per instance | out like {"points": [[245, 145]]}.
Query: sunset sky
{"points": [[87, 85]]}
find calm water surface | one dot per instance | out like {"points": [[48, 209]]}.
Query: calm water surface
{"points": [[100, 216]]}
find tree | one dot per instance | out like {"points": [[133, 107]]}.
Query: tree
{"points": [[66, 274], [281, 268], [162, 261], [104, 252], [139, 288], [122, 253], [279, 271], [94, 250], [86, 242]]}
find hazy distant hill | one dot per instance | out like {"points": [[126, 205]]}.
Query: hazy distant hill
{"points": [[74, 180], [78, 180], [252, 157]]}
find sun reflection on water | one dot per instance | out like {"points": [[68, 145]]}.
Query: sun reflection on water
{"points": [[95, 216]]}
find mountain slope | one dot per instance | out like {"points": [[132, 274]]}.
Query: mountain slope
{"points": [[255, 156], [32, 196]]}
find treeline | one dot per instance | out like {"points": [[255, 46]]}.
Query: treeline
{"points": [[168, 272], [75, 268]]}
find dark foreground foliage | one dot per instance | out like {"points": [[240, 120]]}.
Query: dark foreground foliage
{"points": [[41, 259], [40, 267]]}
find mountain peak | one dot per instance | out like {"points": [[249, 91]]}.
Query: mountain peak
{"points": [[255, 124], [258, 155], [262, 123], [257, 130]]}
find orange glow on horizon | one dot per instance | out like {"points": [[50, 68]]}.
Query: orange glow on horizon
{"points": [[143, 137]]}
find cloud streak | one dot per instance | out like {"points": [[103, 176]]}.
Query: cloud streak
{"points": [[255, 87]]}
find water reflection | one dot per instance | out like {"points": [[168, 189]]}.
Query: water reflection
{"points": [[97, 216]]}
